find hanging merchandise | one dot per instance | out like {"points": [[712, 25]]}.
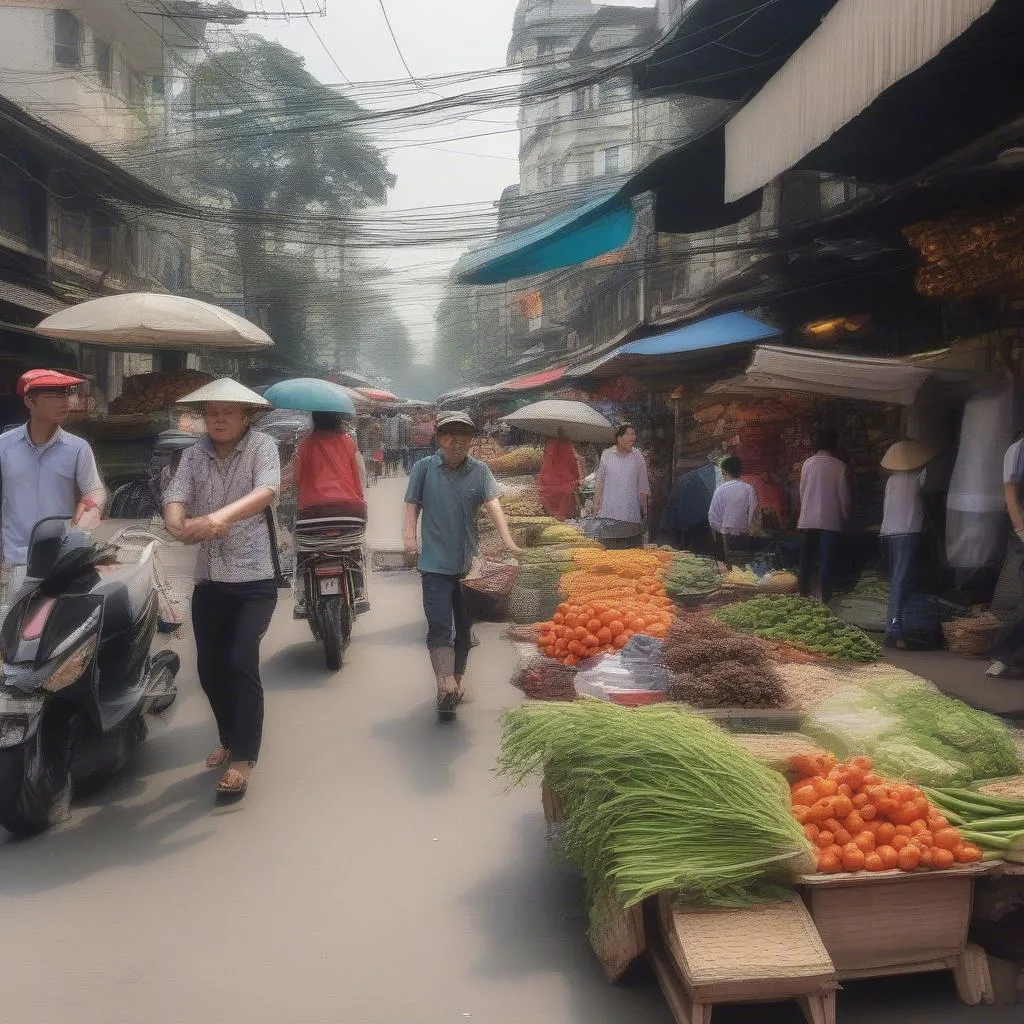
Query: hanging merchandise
{"points": [[975, 508]]}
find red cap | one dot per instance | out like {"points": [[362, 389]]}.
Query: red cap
{"points": [[36, 379]]}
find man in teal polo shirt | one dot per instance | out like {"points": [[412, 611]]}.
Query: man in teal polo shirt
{"points": [[448, 489]]}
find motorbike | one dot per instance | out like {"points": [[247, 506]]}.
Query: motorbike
{"points": [[78, 679], [331, 560]]}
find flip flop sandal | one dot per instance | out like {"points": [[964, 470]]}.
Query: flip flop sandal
{"points": [[235, 788], [218, 760]]}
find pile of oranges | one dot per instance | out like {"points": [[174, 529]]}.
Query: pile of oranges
{"points": [[580, 631], [858, 821]]}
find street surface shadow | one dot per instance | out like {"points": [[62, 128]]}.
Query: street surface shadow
{"points": [[407, 633], [105, 835], [429, 748], [299, 666]]}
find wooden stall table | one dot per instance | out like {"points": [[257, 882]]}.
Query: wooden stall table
{"points": [[876, 924]]}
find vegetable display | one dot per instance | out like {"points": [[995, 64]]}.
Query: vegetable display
{"points": [[656, 800], [993, 823], [860, 821], [689, 575], [798, 620], [516, 461], [717, 667]]}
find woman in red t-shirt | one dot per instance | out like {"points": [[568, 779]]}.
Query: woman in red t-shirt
{"points": [[327, 471]]}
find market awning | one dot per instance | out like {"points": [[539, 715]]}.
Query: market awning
{"points": [[713, 333], [725, 49], [568, 239], [860, 378], [533, 380], [866, 47], [29, 298]]}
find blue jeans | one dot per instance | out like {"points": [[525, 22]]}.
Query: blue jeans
{"points": [[449, 630], [821, 547], [902, 556]]}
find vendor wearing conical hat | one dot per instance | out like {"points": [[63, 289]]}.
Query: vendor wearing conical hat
{"points": [[218, 499], [902, 524]]}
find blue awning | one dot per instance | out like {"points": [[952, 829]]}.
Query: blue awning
{"points": [[714, 332], [579, 234]]}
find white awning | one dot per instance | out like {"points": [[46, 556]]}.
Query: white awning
{"points": [[861, 378], [861, 48]]}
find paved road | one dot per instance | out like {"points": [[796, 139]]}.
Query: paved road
{"points": [[375, 874]]}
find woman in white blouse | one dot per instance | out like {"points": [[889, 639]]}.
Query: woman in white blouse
{"points": [[623, 491]]}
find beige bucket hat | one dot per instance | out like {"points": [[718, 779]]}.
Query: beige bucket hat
{"points": [[907, 455], [224, 389]]}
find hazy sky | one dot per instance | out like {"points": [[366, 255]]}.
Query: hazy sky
{"points": [[436, 38]]}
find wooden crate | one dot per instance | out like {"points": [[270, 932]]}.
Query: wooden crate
{"points": [[766, 953], [896, 922]]}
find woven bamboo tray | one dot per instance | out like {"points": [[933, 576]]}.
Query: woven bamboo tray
{"points": [[971, 635], [765, 953]]}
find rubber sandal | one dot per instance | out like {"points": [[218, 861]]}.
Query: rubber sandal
{"points": [[218, 760], [237, 789]]}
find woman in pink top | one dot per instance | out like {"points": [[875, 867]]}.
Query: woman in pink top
{"points": [[824, 508]]}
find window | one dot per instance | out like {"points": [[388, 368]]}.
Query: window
{"points": [[73, 233], [613, 91], [557, 174], [551, 44], [586, 166], [14, 203], [582, 100], [67, 39], [611, 160], [158, 85], [103, 232], [136, 89], [104, 70]]}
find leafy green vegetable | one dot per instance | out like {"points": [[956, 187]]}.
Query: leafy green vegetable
{"points": [[801, 621], [655, 800]]}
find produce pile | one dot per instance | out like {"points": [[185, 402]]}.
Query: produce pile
{"points": [[800, 622], [859, 821], [914, 732], [524, 504], [688, 576], [779, 582], [717, 667], [516, 461], [656, 800], [993, 823], [485, 449], [149, 392], [563, 533]]}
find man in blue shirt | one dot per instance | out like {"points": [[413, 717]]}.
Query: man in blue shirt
{"points": [[44, 471], [448, 489]]}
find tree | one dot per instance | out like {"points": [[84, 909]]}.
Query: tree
{"points": [[284, 154]]}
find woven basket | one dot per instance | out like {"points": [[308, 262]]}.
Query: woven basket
{"points": [[973, 634], [388, 561], [493, 577]]}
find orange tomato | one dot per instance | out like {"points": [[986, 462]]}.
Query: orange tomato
{"points": [[886, 832], [969, 854], [621, 640], [802, 814], [926, 855], [826, 787], [909, 858], [904, 830], [890, 857], [937, 821], [942, 859], [859, 800], [854, 778], [811, 831], [821, 810], [842, 837], [832, 824], [865, 764], [901, 843], [829, 863], [842, 805], [919, 825], [946, 838], [868, 811], [825, 839], [853, 859], [872, 862], [575, 647], [854, 823], [865, 841], [924, 839], [571, 659], [604, 634], [617, 627]]}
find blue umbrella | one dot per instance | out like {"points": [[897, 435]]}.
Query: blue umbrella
{"points": [[307, 394]]}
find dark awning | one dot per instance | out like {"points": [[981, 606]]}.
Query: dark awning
{"points": [[728, 49]]}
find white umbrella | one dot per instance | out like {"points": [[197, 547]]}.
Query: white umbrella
{"points": [[154, 320], [579, 422]]}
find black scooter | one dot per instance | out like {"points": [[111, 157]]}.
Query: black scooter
{"points": [[77, 679]]}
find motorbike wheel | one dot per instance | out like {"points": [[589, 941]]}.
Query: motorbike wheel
{"points": [[31, 802], [335, 629]]}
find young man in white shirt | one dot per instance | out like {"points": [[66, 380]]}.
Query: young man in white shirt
{"points": [[735, 512], [1008, 646], [824, 509]]}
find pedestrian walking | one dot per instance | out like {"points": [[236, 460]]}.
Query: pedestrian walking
{"points": [[558, 482], [1008, 646], [623, 491], [735, 513], [220, 499], [902, 525], [447, 490], [44, 472], [824, 509]]}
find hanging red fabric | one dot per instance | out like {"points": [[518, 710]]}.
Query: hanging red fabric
{"points": [[559, 479]]}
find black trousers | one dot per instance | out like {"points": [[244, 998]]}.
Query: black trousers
{"points": [[230, 620], [821, 548]]}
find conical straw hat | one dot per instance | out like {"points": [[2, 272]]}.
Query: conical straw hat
{"points": [[906, 455], [225, 390]]}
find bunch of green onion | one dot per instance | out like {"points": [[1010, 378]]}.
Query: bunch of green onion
{"points": [[655, 800]]}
